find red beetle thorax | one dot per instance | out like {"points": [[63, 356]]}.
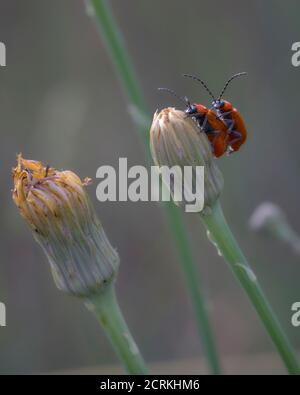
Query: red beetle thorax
{"points": [[227, 106], [201, 109]]}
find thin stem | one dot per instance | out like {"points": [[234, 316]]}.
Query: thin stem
{"points": [[113, 40], [108, 313], [282, 230], [192, 280], [224, 240]]}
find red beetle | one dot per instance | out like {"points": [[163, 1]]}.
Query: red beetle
{"points": [[236, 128], [208, 122]]}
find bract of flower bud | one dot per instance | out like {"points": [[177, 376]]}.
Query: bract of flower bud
{"points": [[175, 140], [62, 218]]}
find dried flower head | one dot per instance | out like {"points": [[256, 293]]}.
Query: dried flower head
{"points": [[175, 140], [61, 216]]}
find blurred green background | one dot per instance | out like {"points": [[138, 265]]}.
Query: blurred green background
{"points": [[60, 102]]}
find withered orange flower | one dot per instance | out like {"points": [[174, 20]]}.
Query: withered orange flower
{"points": [[57, 208]]}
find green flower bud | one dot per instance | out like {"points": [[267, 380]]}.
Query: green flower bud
{"points": [[175, 140], [59, 212]]}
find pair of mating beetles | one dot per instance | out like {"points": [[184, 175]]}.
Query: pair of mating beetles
{"points": [[222, 123]]}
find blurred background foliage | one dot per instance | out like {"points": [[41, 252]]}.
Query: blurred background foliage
{"points": [[61, 103]]}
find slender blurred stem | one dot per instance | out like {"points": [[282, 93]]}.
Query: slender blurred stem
{"points": [[290, 237], [281, 230], [221, 234], [108, 313], [113, 39], [192, 281]]}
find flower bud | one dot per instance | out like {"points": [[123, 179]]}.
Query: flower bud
{"points": [[59, 212], [175, 140]]}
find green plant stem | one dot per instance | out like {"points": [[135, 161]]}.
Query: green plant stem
{"points": [[224, 240], [106, 308], [282, 231], [113, 40], [192, 281]]}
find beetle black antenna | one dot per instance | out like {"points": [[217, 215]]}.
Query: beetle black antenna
{"points": [[203, 84], [228, 82], [184, 100]]}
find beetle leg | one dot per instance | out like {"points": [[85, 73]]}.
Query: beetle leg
{"points": [[221, 115], [197, 119], [203, 126], [229, 150], [213, 132], [230, 124], [237, 136], [226, 113]]}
